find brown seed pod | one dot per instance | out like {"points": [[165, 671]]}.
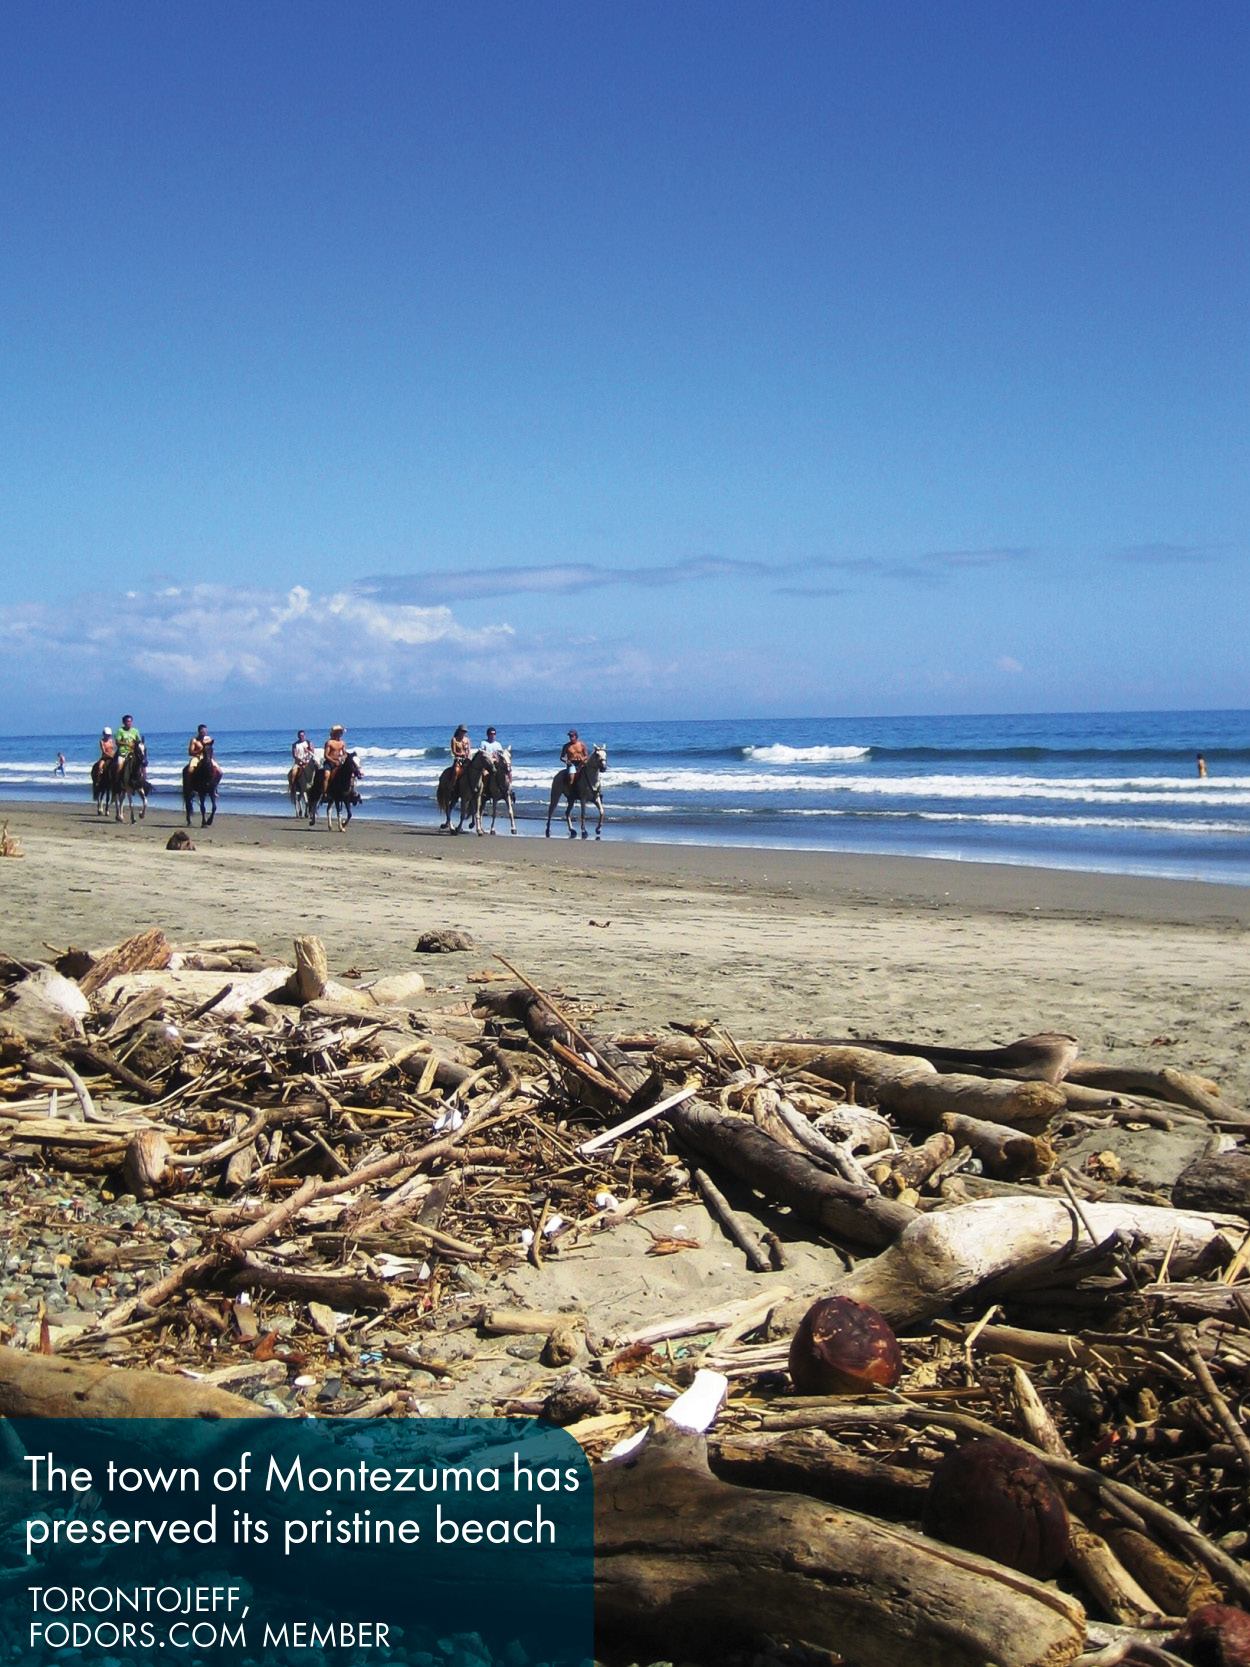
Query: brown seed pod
{"points": [[843, 1348], [1216, 1635], [993, 1498]]}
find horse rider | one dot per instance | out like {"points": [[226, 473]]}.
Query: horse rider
{"points": [[492, 746], [302, 750], [199, 744], [573, 753], [332, 755], [108, 746], [461, 750], [128, 737]]}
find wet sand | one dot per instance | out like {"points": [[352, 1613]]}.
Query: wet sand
{"points": [[768, 942]]}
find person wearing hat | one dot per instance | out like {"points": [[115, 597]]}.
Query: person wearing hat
{"points": [[461, 750], [332, 755], [574, 754], [108, 746]]}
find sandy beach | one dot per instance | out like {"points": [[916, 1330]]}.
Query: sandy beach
{"points": [[769, 942]]}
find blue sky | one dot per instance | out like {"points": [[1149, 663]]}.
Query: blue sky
{"points": [[686, 360]]}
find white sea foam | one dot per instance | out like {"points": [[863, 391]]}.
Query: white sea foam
{"points": [[804, 755]]}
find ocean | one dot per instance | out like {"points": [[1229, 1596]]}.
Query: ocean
{"points": [[1112, 792]]}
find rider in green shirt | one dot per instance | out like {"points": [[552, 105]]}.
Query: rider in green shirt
{"points": [[127, 736]]}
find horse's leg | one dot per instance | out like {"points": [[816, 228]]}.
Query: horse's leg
{"points": [[551, 809], [599, 806]]}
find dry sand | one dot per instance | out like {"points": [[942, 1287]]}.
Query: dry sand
{"points": [[769, 942]]}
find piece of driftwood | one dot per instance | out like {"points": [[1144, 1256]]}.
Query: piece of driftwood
{"points": [[811, 1462], [44, 1386], [1092, 1559], [854, 1213], [944, 1255], [144, 952], [1216, 1183], [906, 1085], [685, 1556], [730, 1223], [312, 971], [913, 1167], [1006, 1153], [1178, 1088], [1046, 1057]]}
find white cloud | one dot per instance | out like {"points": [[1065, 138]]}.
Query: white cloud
{"points": [[211, 637], [1005, 662]]}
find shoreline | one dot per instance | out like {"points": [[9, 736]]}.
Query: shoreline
{"points": [[935, 882]]}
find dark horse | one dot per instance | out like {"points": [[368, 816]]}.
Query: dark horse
{"points": [[336, 789], [582, 789], [465, 792], [496, 786], [127, 777], [299, 780], [199, 781], [102, 784]]}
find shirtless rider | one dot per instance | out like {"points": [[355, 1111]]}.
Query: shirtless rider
{"points": [[573, 753]]}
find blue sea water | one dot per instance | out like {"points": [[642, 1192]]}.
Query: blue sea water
{"points": [[1116, 792]]}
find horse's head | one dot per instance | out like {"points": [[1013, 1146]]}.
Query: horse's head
{"points": [[600, 755]]}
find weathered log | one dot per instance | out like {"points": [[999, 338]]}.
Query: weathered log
{"points": [[678, 1552], [1006, 1153], [311, 968], [914, 1166], [994, 1241], [812, 1462], [43, 1386], [927, 1100], [850, 1212], [1046, 1057], [45, 1007], [912, 1089], [1216, 1183], [144, 952], [146, 1169], [1178, 1088]]}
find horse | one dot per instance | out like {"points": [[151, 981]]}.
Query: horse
{"points": [[299, 780], [128, 777], [582, 789], [465, 792], [102, 784], [497, 785], [199, 781], [336, 789]]}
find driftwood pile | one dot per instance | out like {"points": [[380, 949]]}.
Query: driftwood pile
{"points": [[348, 1165]]}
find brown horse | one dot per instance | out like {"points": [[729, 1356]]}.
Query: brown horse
{"points": [[336, 790], [464, 790], [199, 781]]}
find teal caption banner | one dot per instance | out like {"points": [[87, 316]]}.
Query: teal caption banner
{"points": [[431, 1542]]}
